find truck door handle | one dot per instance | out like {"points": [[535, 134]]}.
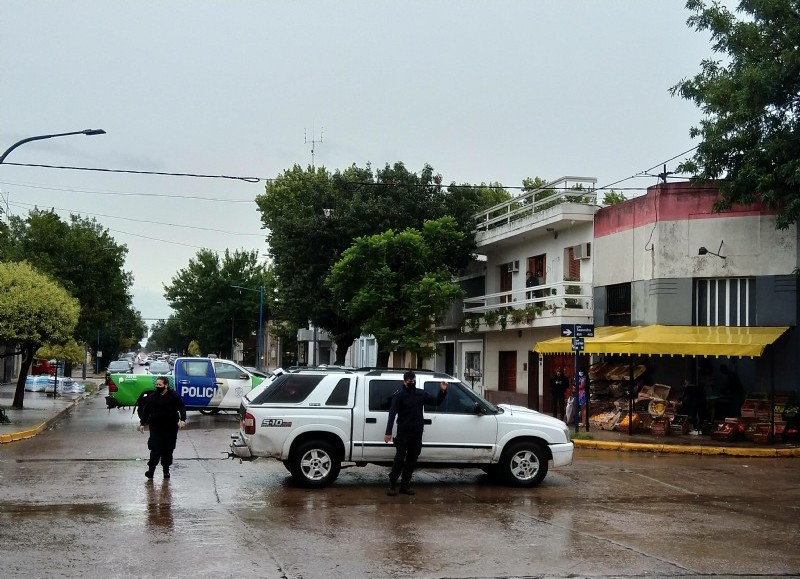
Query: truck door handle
{"points": [[371, 421], [428, 421], [183, 381], [218, 383]]}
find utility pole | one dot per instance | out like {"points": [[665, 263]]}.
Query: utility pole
{"points": [[313, 141]]}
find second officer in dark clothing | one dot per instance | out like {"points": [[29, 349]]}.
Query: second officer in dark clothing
{"points": [[407, 406], [165, 413]]}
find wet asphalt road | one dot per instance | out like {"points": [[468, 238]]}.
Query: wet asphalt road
{"points": [[75, 503]]}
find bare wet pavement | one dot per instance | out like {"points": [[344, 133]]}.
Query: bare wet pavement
{"points": [[75, 503]]}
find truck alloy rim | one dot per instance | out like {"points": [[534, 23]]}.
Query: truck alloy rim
{"points": [[316, 464], [524, 465]]}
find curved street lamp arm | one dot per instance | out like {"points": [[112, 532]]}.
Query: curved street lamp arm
{"points": [[42, 137]]}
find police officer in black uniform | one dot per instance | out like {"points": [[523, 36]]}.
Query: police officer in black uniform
{"points": [[165, 413], [407, 406]]}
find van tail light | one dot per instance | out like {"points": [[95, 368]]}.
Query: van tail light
{"points": [[111, 386], [249, 423]]}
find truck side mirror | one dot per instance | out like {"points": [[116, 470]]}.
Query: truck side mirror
{"points": [[477, 409]]}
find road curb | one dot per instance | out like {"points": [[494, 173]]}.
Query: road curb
{"points": [[688, 449]]}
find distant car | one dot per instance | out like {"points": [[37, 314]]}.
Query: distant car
{"points": [[41, 366], [159, 367], [118, 367]]}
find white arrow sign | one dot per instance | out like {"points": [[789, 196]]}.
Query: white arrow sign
{"points": [[567, 332]]}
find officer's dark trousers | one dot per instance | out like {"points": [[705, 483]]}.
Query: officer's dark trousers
{"points": [[408, 445], [161, 444]]}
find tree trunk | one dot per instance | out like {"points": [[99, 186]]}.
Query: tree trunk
{"points": [[27, 359], [383, 359], [342, 345]]}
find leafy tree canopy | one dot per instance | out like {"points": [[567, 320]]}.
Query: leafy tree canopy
{"points": [[750, 99], [209, 308], [86, 260], [34, 310], [395, 285], [71, 352], [312, 216], [613, 197]]}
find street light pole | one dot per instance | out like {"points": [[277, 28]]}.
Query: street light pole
{"points": [[88, 132]]}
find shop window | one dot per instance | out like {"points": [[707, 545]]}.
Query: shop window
{"points": [[725, 301]]}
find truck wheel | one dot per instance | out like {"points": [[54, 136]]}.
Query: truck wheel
{"points": [[315, 464], [211, 411], [524, 464]]}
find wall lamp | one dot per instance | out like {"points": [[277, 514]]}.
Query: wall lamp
{"points": [[553, 231], [704, 251]]}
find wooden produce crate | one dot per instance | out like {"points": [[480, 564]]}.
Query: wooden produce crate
{"points": [[680, 424], [727, 430], [660, 427]]}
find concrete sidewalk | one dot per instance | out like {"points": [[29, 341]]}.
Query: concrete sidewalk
{"points": [[680, 444], [40, 410]]}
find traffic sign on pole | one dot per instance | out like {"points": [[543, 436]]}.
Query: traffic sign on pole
{"points": [[567, 330], [584, 330], [577, 344]]}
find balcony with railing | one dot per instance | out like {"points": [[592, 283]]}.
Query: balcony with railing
{"points": [[549, 304], [571, 198]]}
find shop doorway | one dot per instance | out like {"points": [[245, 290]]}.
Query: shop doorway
{"points": [[533, 380], [507, 374], [449, 358], [551, 363]]}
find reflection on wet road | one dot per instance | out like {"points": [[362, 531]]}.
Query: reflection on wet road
{"points": [[75, 503]]}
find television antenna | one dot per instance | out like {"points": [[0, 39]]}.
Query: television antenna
{"points": [[313, 141]]}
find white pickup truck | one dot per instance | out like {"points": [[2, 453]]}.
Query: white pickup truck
{"points": [[318, 421]]}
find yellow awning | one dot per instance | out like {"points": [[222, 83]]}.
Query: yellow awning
{"points": [[671, 341]]}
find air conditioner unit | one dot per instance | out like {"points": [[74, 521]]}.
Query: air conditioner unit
{"points": [[513, 266], [582, 251]]}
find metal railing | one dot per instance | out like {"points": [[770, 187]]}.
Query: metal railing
{"points": [[553, 296], [563, 190]]}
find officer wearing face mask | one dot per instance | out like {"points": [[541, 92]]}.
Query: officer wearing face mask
{"points": [[407, 406], [165, 413]]}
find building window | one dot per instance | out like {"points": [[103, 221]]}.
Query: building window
{"points": [[618, 304], [725, 301]]}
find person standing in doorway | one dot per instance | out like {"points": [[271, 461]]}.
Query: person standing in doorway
{"points": [[407, 407], [165, 413], [558, 387]]}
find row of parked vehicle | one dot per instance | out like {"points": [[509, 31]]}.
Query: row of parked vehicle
{"points": [[320, 420]]}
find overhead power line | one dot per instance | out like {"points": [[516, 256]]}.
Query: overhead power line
{"points": [[270, 179], [23, 205]]}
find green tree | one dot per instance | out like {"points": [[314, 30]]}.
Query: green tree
{"points": [[34, 310], [87, 261], [313, 216], [194, 348], [208, 307], [395, 285], [169, 335], [613, 197], [749, 133], [71, 352]]}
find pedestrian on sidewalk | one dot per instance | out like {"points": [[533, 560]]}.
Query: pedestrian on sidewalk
{"points": [[407, 406], [165, 413]]}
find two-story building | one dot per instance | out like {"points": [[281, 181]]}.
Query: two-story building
{"points": [[532, 273], [685, 289]]}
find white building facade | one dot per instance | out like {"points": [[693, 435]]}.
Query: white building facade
{"points": [[487, 340]]}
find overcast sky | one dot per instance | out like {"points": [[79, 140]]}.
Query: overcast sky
{"points": [[481, 90]]}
